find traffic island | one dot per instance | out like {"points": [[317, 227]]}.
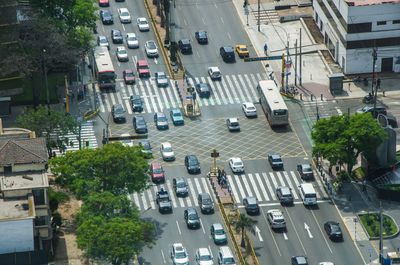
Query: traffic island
{"points": [[370, 222]]}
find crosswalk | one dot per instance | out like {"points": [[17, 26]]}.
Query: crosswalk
{"points": [[87, 135], [232, 89], [321, 109], [260, 185]]}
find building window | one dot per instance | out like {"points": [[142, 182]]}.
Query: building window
{"points": [[380, 23], [359, 27], [396, 21], [40, 220], [38, 196]]}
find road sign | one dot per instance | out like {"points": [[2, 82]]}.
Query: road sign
{"points": [[214, 153], [253, 59], [189, 107], [190, 89], [246, 10]]}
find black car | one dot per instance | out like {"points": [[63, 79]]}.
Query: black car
{"points": [[227, 53], [284, 195], [191, 218], [205, 203], [116, 36], [163, 201], [391, 120], [379, 109], [203, 90], [333, 230], [139, 123], [201, 37], [192, 164], [251, 205], [106, 17], [299, 260], [185, 47], [136, 103], [275, 161], [161, 121], [118, 113], [180, 187], [305, 171]]}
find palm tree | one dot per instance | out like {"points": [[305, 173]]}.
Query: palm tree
{"points": [[240, 223]]}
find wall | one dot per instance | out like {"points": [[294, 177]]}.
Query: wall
{"points": [[28, 167], [16, 236]]}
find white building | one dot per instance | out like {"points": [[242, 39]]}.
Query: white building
{"points": [[351, 30]]}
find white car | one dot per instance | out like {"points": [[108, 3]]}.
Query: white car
{"points": [[132, 41], [122, 54], [249, 109], [179, 255], [214, 73], [161, 79], [151, 49], [167, 152], [143, 24], [124, 15], [204, 257], [326, 263], [236, 165], [275, 219]]}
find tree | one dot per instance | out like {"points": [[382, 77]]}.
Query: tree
{"points": [[341, 138], [240, 223], [115, 239], [118, 169], [53, 125]]}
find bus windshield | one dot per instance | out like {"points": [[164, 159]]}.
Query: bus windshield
{"points": [[105, 78], [280, 112]]}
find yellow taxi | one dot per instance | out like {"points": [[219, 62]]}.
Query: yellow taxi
{"points": [[242, 51]]}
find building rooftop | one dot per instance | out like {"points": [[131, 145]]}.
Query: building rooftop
{"points": [[29, 180], [16, 209], [16, 151], [370, 2]]}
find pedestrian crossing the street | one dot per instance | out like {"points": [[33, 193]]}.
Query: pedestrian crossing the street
{"points": [[232, 89], [87, 135], [260, 185]]}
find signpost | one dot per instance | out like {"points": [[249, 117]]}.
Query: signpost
{"points": [[215, 154]]}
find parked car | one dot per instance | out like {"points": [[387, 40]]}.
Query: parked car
{"points": [[251, 205], [132, 41], [143, 68], [227, 53], [122, 54], [151, 49], [203, 90], [233, 124], [184, 46], [305, 171], [205, 203], [333, 231], [218, 234], [157, 172], [118, 113], [166, 152], [201, 36], [116, 36], [143, 24], [124, 15], [214, 73], [103, 41], [177, 117], [106, 17], [275, 161], [161, 121], [139, 124], [180, 187], [136, 103], [161, 79], [192, 164], [129, 76], [284, 194], [191, 218]]}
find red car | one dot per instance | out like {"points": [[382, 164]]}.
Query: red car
{"points": [[129, 76], [157, 172], [143, 68], [104, 3]]}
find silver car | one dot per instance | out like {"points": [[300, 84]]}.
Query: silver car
{"points": [[122, 54], [161, 79], [151, 49], [132, 41]]}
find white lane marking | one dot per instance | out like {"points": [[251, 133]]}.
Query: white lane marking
{"points": [[144, 97], [271, 190], [229, 36], [222, 20], [175, 92], [261, 185], [179, 229], [136, 199], [320, 229], [204, 181], [163, 257], [338, 110], [235, 194], [196, 180], [153, 97], [216, 93], [143, 198], [202, 226], [273, 179], [151, 199], [253, 184], [297, 234], [290, 184], [252, 87], [258, 232], [226, 89], [155, 190], [242, 87], [273, 238], [232, 88], [246, 184], [204, 22], [171, 194], [237, 181], [285, 236], [212, 95], [239, 89], [280, 179], [192, 191], [307, 228]]}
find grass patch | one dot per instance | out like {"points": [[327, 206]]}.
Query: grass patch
{"points": [[371, 223], [358, 174], [395, 187]]}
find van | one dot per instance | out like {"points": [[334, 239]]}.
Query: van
{"points": [[225, 256], [308, 194]]}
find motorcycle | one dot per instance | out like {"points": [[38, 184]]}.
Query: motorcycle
{"points": [[368, 99]]}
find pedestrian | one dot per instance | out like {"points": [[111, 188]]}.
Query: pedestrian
{"points": [[219, 179], [330, 170], [223, 173], [219, 172], [364, 188], [65, 102], [265, 48], [54, 154]]}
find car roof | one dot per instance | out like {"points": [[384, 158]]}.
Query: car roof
{"points": [[301, 259], [275, 156], [203, 251], [142, 19], [178, 246], [332, 223], [144, 142], [214, 68], [166, 144], [139, 117], [204, 195], [131, 34], [180, 179], [228, 48], [275, 212], [118, 105], [160, 114], [101, 37], [185, 41], [201, 31], [156, 165], [305, 165], [217, 226], [191, 210], [251, 200], [123, 9], [115, 31], [142, 62], [233, 120], [241, 46], [248, 104], [236, 159], [191, 157], [176, 111], [160, 73], [284, 189]]}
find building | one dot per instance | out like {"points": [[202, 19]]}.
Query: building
{"points": [[353, 28], [25, 216]]}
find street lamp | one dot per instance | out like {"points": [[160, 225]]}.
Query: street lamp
{"points": [[47, 84]]}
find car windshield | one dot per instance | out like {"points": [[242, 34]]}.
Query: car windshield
{"points": [[167, 149], [137, 100], [193, 162], [177, 114], [119, 111], [180, 255], [193, 216], [151, 45], [130, 38], [335, 228], [122, 51], [243, 49], [238, 164], [276, 159], [129, 75], [181, 184], [161, 76], [306, 168], [103, 40], [124, 13], [143, 22], [164, 199], [251, 108], [219, 232], [205, 257], [140, 122], [157, 170], [162, 119]]}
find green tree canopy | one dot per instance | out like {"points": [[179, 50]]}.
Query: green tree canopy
{"points": [[115, 168], [114, 239], [52, 125], [240, 223], [341, 138]]}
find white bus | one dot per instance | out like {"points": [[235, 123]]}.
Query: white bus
{"points": [[104, 70], [272, 103]]}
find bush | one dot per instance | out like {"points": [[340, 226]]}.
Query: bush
{"points": [[55, 198], [371, 224], [56, 219]]}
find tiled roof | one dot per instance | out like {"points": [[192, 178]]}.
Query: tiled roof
{"points": [[23, 151]]}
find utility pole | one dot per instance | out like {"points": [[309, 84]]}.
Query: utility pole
{"points": [[287, 66], [374, 88], [258, 20], [47, 83], [301, 62], [295, 63], [172, 29], [380, 234]]}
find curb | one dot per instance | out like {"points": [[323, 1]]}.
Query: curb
{"points": [[385, 237], [87, 116]]}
